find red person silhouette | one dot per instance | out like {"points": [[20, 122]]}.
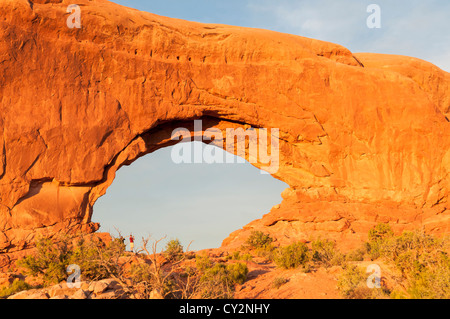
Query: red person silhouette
{"points": [[131, 243]]}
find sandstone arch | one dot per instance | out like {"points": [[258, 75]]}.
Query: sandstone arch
{"points": [[362, 139]]}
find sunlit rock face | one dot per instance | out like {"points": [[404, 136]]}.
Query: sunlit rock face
{"points": [[363, 138]]}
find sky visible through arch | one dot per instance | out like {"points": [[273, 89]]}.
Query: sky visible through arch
{"points": [[204, 202]]}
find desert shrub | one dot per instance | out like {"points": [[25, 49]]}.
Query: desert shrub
{"points": [[142, 279], [218, 281], [238, 256], [87, 256], [54, 255], [234, 256], [380, 232], [413, 251], [259, 240], [430, 284], [96, 260], [146, 278], [324, 253], [267, 253], [279, 281], [245, 257], [207, 280], [203, 262], [378, 236], [356, 255], [16, 286], [292, 256], [237, 273], [260, 244], [352, 284], [423, 262], [50, 261], [141, 272], [173, 250], [214, 284]]}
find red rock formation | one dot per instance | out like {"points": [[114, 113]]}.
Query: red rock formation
{"points": [[362, 139]]}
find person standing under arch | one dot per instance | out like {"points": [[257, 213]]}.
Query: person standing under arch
{"points": [[131, 243]]}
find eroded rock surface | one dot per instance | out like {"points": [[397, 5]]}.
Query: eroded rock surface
{"points": [[364, 138]]}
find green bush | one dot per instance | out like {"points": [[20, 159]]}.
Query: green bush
{"points": [[422, 260], [352, 284], [412, 251], [259, 240], [54, 255], [378, 236], [237, 256], [145, 279], [380, 232], [16, 286], [237, 273], [174, 250], [424, 263], [430, 284], [214, 284], [232, 274], [292, 256], [259, 244], [356, 255], [218, 281], [324, 253], [50, 261], [246, 257], [203, 262], [95, 260], [141, 273]]}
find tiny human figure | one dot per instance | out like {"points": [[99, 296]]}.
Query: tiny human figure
{"points": [[131, 243]]}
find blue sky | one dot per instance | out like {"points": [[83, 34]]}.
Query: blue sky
{"points": [[202, 203], [205, 203]]}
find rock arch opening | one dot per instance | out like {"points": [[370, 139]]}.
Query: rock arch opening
{"points": [[202, 203]]}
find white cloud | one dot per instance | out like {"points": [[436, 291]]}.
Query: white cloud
{"points": [[409, 27], [325, 20]]}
